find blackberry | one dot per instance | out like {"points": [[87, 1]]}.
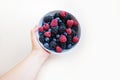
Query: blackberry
{"points": [[69, 38], [68, 17], [56, 15], [63, 45], [75, 28], [48, 18], [54, 30], [53, 44], [62, 28], [73, 32], [41, 39]]}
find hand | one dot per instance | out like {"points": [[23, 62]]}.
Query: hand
{"points": [[35, 45]]}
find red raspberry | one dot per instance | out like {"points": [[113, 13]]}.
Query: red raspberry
{"points": [[47, 34], [68, 31], [63, 14], [41, 29], [75, 39], [62, 39], [58, 49], [46, 26], [70, 23], [75, 23], [54, 23]]}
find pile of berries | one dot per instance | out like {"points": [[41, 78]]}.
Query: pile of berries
{"points": [[59, 31]]}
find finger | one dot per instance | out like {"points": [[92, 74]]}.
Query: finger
{"points": [[34, 35]]}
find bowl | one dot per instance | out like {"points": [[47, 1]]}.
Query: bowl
{"points": [[51, 13]]}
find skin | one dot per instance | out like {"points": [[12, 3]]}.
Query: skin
{"points": [[28, 68]]}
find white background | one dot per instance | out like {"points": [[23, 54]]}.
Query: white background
{"points": [[97, 57]]}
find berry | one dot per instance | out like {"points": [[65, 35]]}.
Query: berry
{"points": [[63, 45], [56, 15], [68, 31], [49, 30], [54, 39], [75, 28], [62, 14], [68, 17], [62, 39], [75, 39], [46, 45], [69, 38], [54, 23], [75, 23], [54, 30], [41, 39], [53, 44], [65, 33], [73, 32], [57, 36], [70, 23], [46, 26], [58, 49], [62, 28], [47, 39], [69, 46], [48, 18], [41, 29], [47, 34]]}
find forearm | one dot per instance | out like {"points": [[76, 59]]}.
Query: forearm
{"points": [[28, 68]]}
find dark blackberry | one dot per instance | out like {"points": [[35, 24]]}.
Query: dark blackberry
{"points": [[41, 39], [68, 17], [53, 45], [54, 30], [69, 37], [56, 15], [73, 32], [75, 28], [62, 28], [48, 18], [63, 45]]}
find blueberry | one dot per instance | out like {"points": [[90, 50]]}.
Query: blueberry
{"points": [[39, 33], [47, 39], [54, 39], [48, 18], [46, 45], [49, 30], [57, 36], [69, 46], [75, 28], [53, 45], [65, 33], [41, 39]]}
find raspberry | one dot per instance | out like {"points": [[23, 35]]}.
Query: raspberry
{"points": [[46, 26], [75, 23], [62, 14], [54, 23], [75, 39], [68, 31], [58, 49], [62, 39], [47, 34], [41, 29], [70, 23]]}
